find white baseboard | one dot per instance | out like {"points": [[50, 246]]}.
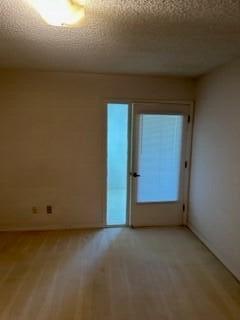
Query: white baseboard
{"points": [[51, 227], [215, 251]]}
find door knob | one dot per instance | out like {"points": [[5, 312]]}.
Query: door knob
{"points": [[135, 175]]}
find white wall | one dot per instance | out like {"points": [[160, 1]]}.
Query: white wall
{"points": [[215, 183], [52, 143]]}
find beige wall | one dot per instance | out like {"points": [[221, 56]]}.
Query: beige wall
{"points": [[215, 183], [52, 143]]}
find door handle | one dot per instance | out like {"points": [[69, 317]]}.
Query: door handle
{"points": [[135, 174]]}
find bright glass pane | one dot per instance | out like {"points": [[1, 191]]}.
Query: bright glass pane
{"points": [[159, 157], [117, 164]]}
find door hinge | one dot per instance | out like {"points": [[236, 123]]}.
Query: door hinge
{"points": [[189, 119], [183, 207]]}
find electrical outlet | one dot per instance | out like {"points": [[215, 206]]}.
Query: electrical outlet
{"points": [[34, 210], [49, 209]]}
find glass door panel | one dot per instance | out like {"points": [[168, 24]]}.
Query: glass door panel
{"points": [[117, 163], [159, 157]]}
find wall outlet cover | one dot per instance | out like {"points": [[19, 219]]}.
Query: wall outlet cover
{"points": [[34, 210], [49, 209]]}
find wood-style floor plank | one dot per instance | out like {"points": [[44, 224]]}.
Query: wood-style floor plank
{"points": [[117, 274]]}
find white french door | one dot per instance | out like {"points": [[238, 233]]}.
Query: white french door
{"points": [[160, 163]]}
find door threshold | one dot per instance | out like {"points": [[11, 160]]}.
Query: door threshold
{"points": [[117, 226]]}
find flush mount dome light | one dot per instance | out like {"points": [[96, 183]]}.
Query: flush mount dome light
{"points": [[60, 12]]}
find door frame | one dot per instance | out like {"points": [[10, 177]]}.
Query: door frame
{"points": [[188, 154]]}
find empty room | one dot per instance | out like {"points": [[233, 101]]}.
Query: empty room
{"points": [[119, 160]]}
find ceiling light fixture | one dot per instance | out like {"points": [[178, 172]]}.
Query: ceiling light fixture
{"points": [[64, 13]]}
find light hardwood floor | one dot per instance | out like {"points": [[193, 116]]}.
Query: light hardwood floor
{"points": [[117, 274]]}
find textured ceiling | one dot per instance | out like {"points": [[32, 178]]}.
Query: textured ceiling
{"points": [[174, 37]]}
